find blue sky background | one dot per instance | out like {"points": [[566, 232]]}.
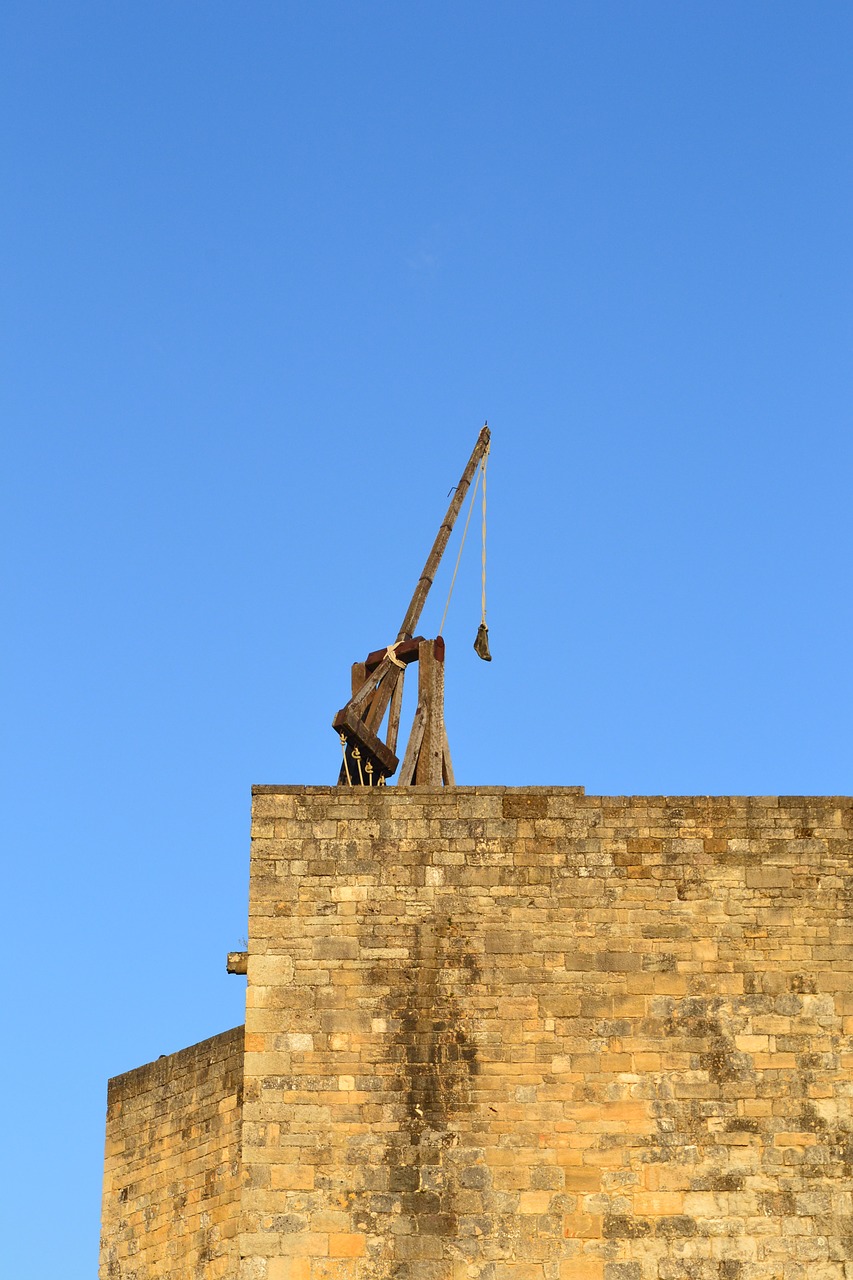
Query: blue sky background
{"points": [[264, 270]]}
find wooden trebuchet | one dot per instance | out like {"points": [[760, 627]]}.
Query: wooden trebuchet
{"points": [[377, 684]]}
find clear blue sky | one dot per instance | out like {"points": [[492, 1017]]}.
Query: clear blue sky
{"points": [[266, 267]]}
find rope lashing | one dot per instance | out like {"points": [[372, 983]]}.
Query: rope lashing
{"points": [[391, 653]]}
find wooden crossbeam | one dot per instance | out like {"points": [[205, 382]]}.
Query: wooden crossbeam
{"points": [[358, 735], [407, 652]]}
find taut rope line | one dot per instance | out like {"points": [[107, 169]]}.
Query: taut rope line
{"points": [[485, 460], [481, 644]]}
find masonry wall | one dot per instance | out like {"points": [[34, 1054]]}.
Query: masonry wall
{"points": [[527, 1034], [172, 1167]]}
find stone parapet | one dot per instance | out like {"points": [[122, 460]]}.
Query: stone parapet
{"points": [[172, 1166]]}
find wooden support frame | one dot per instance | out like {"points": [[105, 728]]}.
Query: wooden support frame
{"points": [[410, 759], [426, 760], [431, 698]]}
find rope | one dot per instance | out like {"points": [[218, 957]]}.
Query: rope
{"points": [[481, 472], [391, 652], [485, 460]]}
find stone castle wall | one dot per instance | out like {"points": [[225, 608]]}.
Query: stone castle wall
{"points": [[172, 1166], [513, 1034], [527, 1034]]}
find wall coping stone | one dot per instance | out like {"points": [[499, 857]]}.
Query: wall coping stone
{"points": [[148, 1076]]}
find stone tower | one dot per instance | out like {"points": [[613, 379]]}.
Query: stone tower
{"points": [[512, 1034]]}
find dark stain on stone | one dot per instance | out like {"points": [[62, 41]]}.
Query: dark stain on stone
{"points": [[719, 1182], [810, 1121], [621, 1227], [698, 1018], [678, 1225], [660, 962], [288, 1223], [524, 806], [742, 1124], [776, 1204], [433, 1062]]}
